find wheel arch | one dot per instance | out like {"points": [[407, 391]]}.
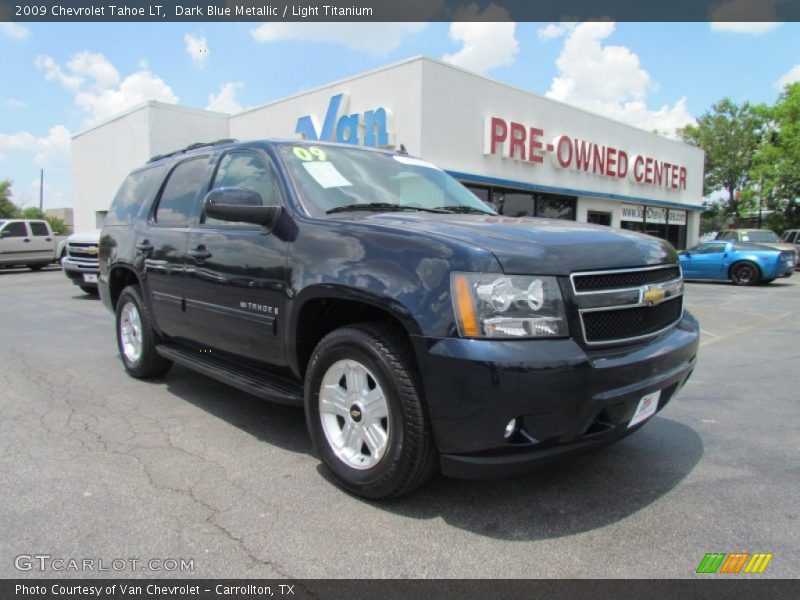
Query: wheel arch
{"points": [[324, 308], [120, 277]]}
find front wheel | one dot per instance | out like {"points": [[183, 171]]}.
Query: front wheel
{"points": [[365, 412], [745, 273], [136, 338]]}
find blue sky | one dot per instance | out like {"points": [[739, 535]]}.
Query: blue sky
{"points": [[59, 79]]}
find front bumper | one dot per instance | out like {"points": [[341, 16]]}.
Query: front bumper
{"points": [[76, 270], [567, 398]]}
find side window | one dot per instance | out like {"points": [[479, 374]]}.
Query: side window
{"points": [[16, 229], [791, 237], [247, 171], [137, 190], [709, 249], [725, 235], [39, 229], [179, 199]]}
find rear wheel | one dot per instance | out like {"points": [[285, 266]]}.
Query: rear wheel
{"points": [[745, 273], [365, 412], [136, 338]]}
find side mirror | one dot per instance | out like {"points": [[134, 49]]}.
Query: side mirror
{"points": [[240, 205]]}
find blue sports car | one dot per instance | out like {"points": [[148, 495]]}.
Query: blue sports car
{"points": [[739, 262]]}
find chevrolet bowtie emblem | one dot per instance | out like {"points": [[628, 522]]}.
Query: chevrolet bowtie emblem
{"points": [[654, 295], [91, 250]]}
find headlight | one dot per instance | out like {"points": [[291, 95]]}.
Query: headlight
{"points": [[490, 305]]}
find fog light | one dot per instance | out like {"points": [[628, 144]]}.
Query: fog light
{"points": [[510, 428]]}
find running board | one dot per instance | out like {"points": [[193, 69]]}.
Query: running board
{"points": [[253, 382]]}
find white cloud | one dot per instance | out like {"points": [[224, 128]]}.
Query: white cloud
{"points": [[197, 49], [554, 30], [790, 76], [13, 30], [487, 44], [13, 103], [52, 72], [375, 38], [225, 100], [49, 151], [100, 90], [751, 28], [610, 80]]}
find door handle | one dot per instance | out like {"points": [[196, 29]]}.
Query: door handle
{"points": [[200, 253], [26, 240], [48, 239]]}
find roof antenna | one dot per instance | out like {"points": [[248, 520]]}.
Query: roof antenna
{"points": [[402, 149]]}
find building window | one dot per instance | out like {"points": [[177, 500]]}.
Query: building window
{"points": [[599, 217], [551, 206], [482, 193], [514, 204]]}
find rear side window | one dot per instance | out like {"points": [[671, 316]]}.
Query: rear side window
{"points": [[178, 202], [39, 229], [136, 191], [16, 229]]}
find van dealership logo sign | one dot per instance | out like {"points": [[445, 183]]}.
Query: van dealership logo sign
{"points": [[373, 128], [518, 142]]}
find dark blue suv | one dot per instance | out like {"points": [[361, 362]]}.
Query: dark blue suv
{"points": [[420, 330]]}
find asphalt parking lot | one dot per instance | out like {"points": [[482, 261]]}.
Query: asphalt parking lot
{"points": [[99, 465]]}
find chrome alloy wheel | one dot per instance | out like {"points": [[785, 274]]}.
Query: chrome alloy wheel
{"points": [[354, 414], [130, 332]]}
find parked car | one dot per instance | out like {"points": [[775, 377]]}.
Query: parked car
{"points": [[80, 259], [419, 329], [26, 242], [763, 237], [792, 236], [739, 262]]}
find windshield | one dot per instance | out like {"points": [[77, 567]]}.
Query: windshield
{"points": [[332, 179], [759, 236]]}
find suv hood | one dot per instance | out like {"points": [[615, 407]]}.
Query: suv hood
{"points": [[538, 246]]}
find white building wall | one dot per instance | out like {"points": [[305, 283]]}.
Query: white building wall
{"points": [[456, 104], [103, 156]]}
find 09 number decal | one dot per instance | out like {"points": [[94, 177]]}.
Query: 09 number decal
{"points": [[310, 153]]}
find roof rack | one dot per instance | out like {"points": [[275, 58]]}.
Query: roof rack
{"points": [[191, 147]]}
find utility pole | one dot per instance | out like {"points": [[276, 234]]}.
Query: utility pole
{"points": [[41, 190]]}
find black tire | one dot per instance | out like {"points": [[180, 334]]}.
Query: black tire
{"points": [[745, 273], [410, 458], [89, 289], [36, 267], [149, 363]]}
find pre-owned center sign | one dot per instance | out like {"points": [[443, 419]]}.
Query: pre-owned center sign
{"points": [[524, 143]]}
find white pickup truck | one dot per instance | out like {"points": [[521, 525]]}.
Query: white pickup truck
{"points": [[79, 259], [27, 242]]}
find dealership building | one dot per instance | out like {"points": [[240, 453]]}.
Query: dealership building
{"points": [[523, 153]]}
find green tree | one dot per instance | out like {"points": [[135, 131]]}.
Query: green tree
{"points": [[777, 163], [58, 225], [7, 208], [730, 135], [32, 212]]}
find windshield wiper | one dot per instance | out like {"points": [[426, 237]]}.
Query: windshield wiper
{"points": [[463, 209], [381, 207]]}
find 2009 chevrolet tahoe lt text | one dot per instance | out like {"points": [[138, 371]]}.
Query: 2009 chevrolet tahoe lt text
{"points": [[420, 330]]}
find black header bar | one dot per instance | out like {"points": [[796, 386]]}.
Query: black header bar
{"points": [[398, 10]]}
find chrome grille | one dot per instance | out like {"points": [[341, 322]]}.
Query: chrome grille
{"points": [[85, 253], [626, 305], [624, 279]]}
